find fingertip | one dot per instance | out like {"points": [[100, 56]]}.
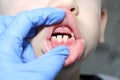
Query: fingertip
{"points": [[60, 49], [56, 15], [28, 54]]}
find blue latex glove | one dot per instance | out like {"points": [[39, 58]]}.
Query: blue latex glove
{"points": [[28, 53], [12, 35]]}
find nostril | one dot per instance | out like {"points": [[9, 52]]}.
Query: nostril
{"points": [[72, 9]]}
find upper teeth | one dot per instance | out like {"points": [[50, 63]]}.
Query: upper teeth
{"points": [[72, 35], [62, 38], [65, 38], [59, 38]]}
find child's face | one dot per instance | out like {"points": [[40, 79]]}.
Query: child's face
{"points": [[83, 17]]}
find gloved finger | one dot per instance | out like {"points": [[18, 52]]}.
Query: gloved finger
{"points": [[24, 21], [49, 64], [28, 53], [31, 33], [4, 22]]}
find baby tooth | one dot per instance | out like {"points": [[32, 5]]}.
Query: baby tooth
{"points": [[53, 38], [59, 38], [72, 34], [65, 38]]}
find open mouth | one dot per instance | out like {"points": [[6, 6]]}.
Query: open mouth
{"points": [[66, 33], [62, 36]]}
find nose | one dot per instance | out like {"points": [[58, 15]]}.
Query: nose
{"points": [[72, 5]]}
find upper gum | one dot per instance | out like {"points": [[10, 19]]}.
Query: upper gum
{"points": [[62, 29]]}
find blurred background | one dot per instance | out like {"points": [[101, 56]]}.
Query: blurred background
{"points": [[106, 58]]}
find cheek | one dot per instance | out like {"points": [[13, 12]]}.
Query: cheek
{"points": [[38, 43], [89, 25], [91, 36], [89, 22]]}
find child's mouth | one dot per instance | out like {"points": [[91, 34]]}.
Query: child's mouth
{"points": [[62, 35], [66, 33]]}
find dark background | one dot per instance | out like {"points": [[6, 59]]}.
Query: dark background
{"points": [[106, 59]]}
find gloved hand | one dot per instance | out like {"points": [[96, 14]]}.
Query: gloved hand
{"points": [[28, 54], [11, 47]]}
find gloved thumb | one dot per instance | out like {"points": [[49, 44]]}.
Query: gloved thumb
{"points": [[49, 64], [28, 53]]}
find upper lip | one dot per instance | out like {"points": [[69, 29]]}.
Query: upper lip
{"points": [[69, 21]]}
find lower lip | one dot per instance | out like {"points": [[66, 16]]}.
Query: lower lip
{"points": [[76, 50]]}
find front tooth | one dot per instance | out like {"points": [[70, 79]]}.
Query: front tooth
{"points": [[65, 38], [53, 38], [59, 38], [72, 35]]}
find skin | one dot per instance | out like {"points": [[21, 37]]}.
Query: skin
{"points": [[91, 24]]}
